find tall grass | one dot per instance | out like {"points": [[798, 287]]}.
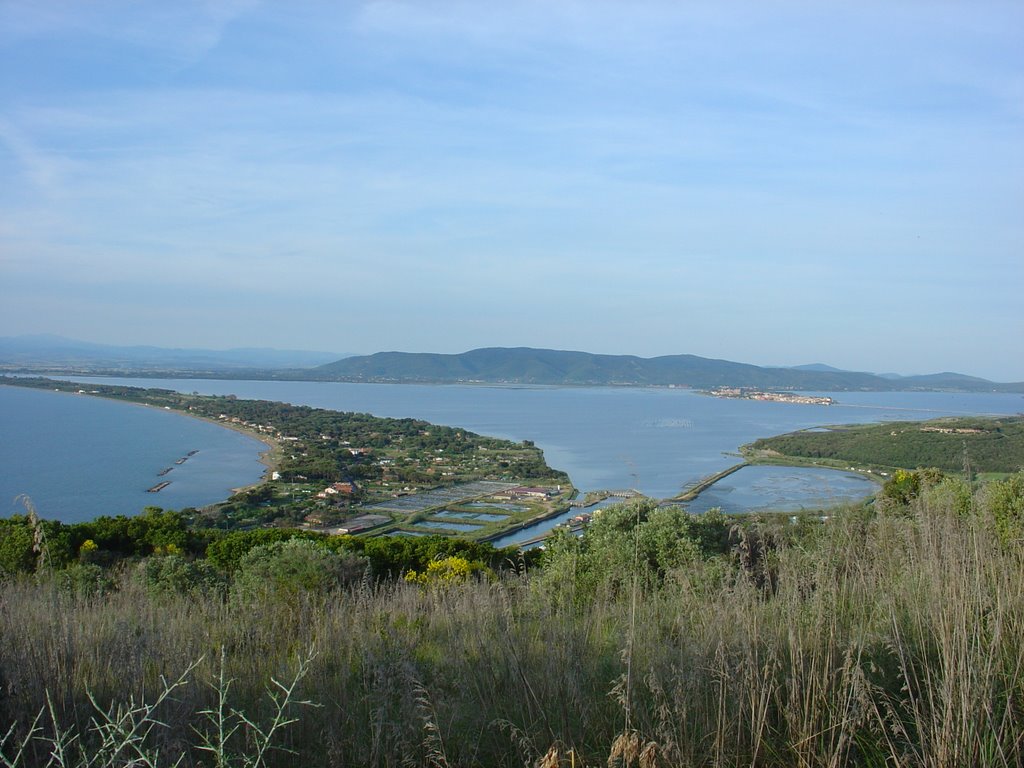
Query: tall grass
{"points": [[879, 638]]}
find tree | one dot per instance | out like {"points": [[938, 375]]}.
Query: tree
{"points": [[16, 546], [1005, 502]]}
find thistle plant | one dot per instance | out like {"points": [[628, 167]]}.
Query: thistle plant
{"points": [[125, 733]]}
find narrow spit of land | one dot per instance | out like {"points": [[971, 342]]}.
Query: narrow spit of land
{"points": [[327, 466]]}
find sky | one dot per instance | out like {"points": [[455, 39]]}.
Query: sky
{"points": [[772, 183]]}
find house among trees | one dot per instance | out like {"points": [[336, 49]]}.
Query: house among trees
{"points": [[362, 523], [346, 489]]}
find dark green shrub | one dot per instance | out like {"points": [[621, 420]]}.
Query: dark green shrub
{"points": [[294, 566], [173, 574], [84, 580]]}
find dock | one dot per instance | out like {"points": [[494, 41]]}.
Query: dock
{"points": [[185, 458], [629, 493], [693, 490]]}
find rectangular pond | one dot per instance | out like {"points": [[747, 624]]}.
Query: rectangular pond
{"points": [[495, 505], [481, 516], [462, 527]]}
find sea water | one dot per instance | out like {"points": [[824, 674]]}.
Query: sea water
{"points": [[656, 440], [76, 457]]}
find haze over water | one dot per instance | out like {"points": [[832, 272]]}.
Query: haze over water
{"points": [[656, 440]]}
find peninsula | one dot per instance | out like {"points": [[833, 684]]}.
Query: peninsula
{"points": [[350, 472]]}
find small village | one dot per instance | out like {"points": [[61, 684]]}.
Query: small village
{"points": [[744, 393]]}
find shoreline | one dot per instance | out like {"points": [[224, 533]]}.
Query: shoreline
{"points": [[266, 457], [269, 457]]}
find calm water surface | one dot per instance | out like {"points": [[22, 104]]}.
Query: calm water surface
{"points": [[782, 489], [655, 440], [78, 457]]}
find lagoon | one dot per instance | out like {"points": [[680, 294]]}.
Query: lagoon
{"points": [[657, 440], [782, 489], [78, 457]]}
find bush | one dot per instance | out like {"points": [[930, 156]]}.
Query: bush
{"points": [[227, 552], [445, 572], [173, 574], [16, 553], [84, 580], [294, 566], [1005, 500]]}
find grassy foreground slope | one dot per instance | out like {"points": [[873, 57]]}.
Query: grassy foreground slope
{"points": [[891, 635], [983, 445]]}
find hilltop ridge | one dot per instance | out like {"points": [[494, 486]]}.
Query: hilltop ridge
{"points": [[526, 365], [49, 355]]}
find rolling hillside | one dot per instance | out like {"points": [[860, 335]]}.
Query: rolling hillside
{"points": [[523, 365]]}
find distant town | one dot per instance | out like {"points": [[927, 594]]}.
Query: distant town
{"points": [[743, 393]]}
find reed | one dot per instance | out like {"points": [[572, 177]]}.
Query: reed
{"points": [[888, 637]]}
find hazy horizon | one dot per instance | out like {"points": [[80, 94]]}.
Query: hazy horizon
{"points": [[56, 338], [779, 184]]}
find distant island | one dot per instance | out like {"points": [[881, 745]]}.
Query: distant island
{"points": [[491, 365]]}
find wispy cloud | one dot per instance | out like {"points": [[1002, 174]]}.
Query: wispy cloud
{"points": [[43, 170], [486, 165]]}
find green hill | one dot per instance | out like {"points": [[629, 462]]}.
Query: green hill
{"points": [[988, 445], [524, 365]]}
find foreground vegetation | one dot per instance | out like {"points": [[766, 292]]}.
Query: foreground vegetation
{"points": [[888, 635]]}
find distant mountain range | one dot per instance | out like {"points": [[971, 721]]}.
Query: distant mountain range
{"points": [[46, 351], [522, 365], [494, 365]]}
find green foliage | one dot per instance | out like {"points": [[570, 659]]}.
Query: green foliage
{"points": [[227, 552], [392, 556], [1005, 500], [177, 575], [902, 487], [638, 543], [84, 580], [289, 568], [906, 485], [954, 492], [154, 531], [951, 445], [869, 638], [16, 553]]}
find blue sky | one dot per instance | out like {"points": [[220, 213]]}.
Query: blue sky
{"points": [[775, 183]]}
